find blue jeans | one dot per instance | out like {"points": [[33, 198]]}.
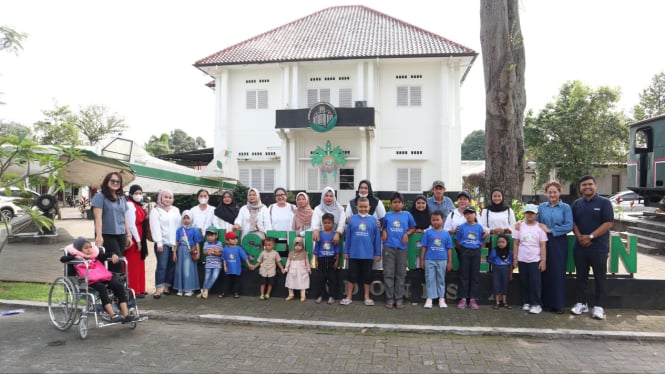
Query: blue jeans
{"points": [[435, 278], [210, 278], [165, 270]]}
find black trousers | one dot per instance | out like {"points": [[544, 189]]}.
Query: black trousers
{"points": [[329, 277], [597, 260]]}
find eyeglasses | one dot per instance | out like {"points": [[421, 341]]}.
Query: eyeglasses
{"points": [[115, 181]]}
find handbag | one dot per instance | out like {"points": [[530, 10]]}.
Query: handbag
{"points": [[192, 251], [97, 272]]}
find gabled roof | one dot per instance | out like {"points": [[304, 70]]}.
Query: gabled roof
{"points": [[338, 33]]}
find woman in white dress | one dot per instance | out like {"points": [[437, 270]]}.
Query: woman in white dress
{"points": [[253, 216], [281, 212]]}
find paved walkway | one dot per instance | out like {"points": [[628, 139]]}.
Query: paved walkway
{"points": [[26, 261]]}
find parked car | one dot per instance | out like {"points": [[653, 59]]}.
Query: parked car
{"points": [[629, 200], [9, 210], [15, 194]]}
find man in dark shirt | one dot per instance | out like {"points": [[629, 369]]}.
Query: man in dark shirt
{"points": [[592, 220]]}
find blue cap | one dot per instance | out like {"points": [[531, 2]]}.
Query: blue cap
{"points": [[533, 208]]}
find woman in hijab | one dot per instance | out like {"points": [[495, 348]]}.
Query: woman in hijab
{"points": [[253, 216], [226, 212], [498, 217], [421, 214], [330, 205], [302, 221], [164, 222], [137, 252], [376, 207]]}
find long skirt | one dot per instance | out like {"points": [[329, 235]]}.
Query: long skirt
{"points": [[135, 270], [554, 277], [186, 272]]}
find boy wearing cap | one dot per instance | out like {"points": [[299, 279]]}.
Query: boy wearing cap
{"points": [[530, 257], [438, 201], [469, 238], [212, 249], [233, 255]]}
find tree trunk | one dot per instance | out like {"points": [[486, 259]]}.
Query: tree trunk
{"points": [[505, 99]]}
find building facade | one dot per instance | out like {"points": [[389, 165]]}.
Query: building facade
{"points": [[344, 94]]}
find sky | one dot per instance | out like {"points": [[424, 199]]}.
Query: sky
{"points": [[136, 57]]}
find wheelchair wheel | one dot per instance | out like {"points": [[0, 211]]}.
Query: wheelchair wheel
{"points": [[83, 327], [62, 303]]}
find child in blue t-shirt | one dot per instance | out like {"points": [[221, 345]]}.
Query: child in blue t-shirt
{"points": [[470, 237], [398, 225], [212, 249], [361, 246], [233, 255], [436, 255], [501, 258], [326, 253]]}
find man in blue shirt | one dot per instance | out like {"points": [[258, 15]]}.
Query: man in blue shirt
{"points": [[438, 201], [592, 220]]}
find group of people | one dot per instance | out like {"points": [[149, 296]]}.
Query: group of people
{"points": [[371, 235]]}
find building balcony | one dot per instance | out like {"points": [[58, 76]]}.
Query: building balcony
{"points": [[346, 117]]}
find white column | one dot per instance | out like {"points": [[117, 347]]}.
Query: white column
{"points": [[369, 95], [222, 131], [295, 87], [364, 156], [286, 87], [293, 162], [360, 82], [451, 154]]}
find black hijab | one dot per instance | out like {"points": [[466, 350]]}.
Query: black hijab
{"points": [[422, 217], [227, 212], [373, 201], [500, 207], [503, 252]]}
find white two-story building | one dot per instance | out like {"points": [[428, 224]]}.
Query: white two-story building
{"points": [[344, 94]]}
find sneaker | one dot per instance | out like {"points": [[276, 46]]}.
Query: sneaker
{"points": [[442, 303], [117, 318], [262, 297], [579, 308], [205, 294], [345, 302], [462, 304], [189, 294], [428, 304], [474, 304], [526, 307], [128, 319], [319, 299], [179, 293], [598, 312], [289, 298], [369, 302], [331, 300], [266, 296], [536, 309]]}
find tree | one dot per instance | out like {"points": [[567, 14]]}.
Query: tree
{"points": [[11, 40], [58, 126], [180, 142], [652, 99], [580, 133], [502, 48], [95, 123], [473, 147], [14, 128], [158, 146]]}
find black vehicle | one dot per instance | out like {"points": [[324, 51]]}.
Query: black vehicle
{"points": [[646, 160]]}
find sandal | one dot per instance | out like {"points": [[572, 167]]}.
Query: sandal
{"points": [[289, 298], [507, 306], [156, 296], [389, 305], [221, 296], [166, 292], [496, 306], [369, 302]]}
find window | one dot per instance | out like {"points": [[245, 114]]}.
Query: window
{"points": [[345, 98], [315, 180], [409, 96], [346, 179], [409, 179], [262, 179], [257, 99], [316, 95]]}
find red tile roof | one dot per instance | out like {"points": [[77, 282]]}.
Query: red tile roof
{"points": [[338, 33]]}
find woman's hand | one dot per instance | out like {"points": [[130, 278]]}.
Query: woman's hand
{"points": [[99, 241], [315, 235], [336, 238], [160, 249]]}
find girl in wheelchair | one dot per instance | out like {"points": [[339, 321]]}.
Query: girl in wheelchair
{"points": [[99, 278]]}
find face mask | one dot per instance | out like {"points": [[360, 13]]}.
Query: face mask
{"points": [[362, 194], [203, 201], [137, 198]]}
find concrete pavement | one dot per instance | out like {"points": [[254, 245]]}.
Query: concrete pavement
{"points": [[26, 261]]}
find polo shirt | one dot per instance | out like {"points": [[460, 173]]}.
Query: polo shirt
{"points": [[446, 206], [588, 215]]}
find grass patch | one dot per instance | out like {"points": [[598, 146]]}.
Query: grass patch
{"points": [[24, 291]]}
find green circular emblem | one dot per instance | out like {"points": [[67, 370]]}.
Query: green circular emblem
{"points": [[322, 117]]}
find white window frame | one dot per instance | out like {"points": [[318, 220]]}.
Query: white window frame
{"points": [[409, 96], [317, 95], [262, 179], [256, 99], [409, 179]]}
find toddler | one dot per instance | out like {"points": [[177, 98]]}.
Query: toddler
{"points": [[268, 261], [212, 249], [233, 256], [298, 270], [501, 259]]}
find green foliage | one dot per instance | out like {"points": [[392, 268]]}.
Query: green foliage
{"points": [[475, 184], [518, 208], [579, 133], [176, 142], [652, 99], [11, 40], [473, 147], [95, 122], [158, 146], [58, 126], [14, 128]]}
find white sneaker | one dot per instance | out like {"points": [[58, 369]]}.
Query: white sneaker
{"points": [[598, 312], [428, 304], [526, 307], [536, 309], [579, 308], [442, 303], [189, 294], [179, 293]]}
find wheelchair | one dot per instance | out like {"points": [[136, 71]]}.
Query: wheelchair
{"points": [[72, 302]]}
